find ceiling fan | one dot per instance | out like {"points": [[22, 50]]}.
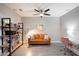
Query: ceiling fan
{"points": [[41, 12]]}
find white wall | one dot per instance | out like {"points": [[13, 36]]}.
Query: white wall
{"points": [[51, 25], [70, 25], [7, 12]]}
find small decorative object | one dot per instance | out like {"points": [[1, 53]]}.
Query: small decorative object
{"points": [[6, 21], [10, 32], [19, 25], [15, 25]]}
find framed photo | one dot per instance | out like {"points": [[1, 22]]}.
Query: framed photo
{"points": [[40, 26]]}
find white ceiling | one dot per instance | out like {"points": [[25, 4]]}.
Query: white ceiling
{"points": [[56, 9]]}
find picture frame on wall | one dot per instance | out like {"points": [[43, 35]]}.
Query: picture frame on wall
{"points": [[40, 27]]}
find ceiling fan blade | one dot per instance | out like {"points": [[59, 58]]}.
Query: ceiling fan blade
{"points": [[47, 14], [46, 10], [36, 10]]}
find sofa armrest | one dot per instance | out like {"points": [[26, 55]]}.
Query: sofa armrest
{"points": [[49, 40], [29, 40]]}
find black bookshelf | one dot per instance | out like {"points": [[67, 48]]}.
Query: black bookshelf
{"points": [[21, 27], [9, 27], [11, 35]]}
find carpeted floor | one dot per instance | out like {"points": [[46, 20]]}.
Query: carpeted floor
{"points": [[55, 49]]}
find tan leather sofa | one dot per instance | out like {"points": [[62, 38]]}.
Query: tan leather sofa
{"points": [[39, 39]]}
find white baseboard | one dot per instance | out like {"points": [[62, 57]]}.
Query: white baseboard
{"points": [[55, 42]]}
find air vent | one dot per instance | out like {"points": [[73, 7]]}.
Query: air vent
{"points": [[20, 10]]}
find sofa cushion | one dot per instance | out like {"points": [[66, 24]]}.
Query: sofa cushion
{"points": [[32, 37], [39, 40], [46, 37], [42, 36], [39, 36]]}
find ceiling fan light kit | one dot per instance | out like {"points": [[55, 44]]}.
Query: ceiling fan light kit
{"points": [[41, 14]]}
